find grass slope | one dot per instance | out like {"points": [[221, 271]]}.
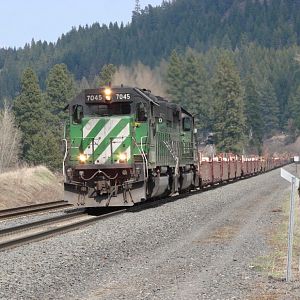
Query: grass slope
{"points": [[27, 186]]}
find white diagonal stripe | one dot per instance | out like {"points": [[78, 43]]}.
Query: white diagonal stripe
{"points": [[89, 127], [103, 157], [101, 134]]}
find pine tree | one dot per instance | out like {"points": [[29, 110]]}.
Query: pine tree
{"points": [[45, 149], [30, 110], [229, 118], [137, 9], [294, 107], [253, 114], [60, 88], [269, 107], [226, 42], [174, 78], [195, 90], [106, 75]]}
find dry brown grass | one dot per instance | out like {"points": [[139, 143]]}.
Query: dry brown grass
{"points": [[273, 265], [221, 234], [266, 296], [26, 186]]}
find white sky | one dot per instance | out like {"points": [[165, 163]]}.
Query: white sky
{"points": [[22, 20]]}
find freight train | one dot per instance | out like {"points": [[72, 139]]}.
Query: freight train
{"points": [[124, 146]]}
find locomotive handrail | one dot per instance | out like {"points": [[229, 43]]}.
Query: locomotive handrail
{"points": [[145, 160], [144, 95], [111, 139], [65, 157]]}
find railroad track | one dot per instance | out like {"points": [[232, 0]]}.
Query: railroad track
{"points": [[35, 231], [32, 209]]}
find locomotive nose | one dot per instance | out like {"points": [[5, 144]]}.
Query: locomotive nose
{"points": [[108, 140]]}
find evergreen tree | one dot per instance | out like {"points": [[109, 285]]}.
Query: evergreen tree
{"points": [[60, 88], [269, 107], [174, 78], [195, 96], [137, 9], [294, 108], [106, 75], [153, 34], [253, 115], [30, 111], [229, 124], [45, 149], [226, 43], [59, 91]]}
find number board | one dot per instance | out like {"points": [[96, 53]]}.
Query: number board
{"points": [[89, 98], [100, 97]]}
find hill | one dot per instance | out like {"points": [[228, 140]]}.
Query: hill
{"points": [[153, 33]]}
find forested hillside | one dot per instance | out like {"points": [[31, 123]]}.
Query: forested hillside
{"points": [[268, 82], [232, 63], [153, 33]]}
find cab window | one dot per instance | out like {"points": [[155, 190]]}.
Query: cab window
{"points": [[186, 124], [77, 113], [141, 112]]}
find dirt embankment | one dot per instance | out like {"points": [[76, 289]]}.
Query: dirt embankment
{"points": [[27, 186]]}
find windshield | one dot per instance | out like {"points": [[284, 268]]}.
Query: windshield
{"points": [[110, 109]]}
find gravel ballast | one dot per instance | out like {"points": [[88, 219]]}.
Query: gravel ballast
{"points": [[199, 247]]}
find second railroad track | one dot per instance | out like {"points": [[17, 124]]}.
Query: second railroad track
{"points": [[32, 209], [23, 234]]}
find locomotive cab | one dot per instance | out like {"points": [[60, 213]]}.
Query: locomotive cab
{"points": [[106, 153]]}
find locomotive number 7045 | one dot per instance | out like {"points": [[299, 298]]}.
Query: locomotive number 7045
{"points": [[123, 96]]}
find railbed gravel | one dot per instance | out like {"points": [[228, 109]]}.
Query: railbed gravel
{"points": [[198, 247]]}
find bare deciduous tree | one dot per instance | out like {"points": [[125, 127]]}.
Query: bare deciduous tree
{"points": [[10, 139]]}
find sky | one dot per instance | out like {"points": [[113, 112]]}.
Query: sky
{"points": [[46, 20]]}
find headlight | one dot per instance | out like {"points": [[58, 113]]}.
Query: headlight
{"points": [[83, 158], [122, 157], [107, 93]]}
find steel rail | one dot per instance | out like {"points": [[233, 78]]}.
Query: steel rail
{"points": [[65, 228], [35, 208], [15, 229], [54, 231]]}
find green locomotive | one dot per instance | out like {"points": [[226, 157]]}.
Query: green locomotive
{"points": [[124, 145]]}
